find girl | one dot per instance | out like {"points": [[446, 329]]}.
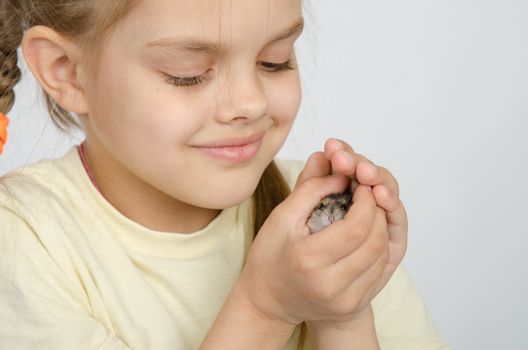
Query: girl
{"points": [[142, 237]]}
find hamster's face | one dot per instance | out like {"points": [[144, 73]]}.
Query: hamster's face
{"points": [[330, 209]]}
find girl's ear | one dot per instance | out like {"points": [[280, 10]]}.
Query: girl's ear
{"points": [[54, 62]]}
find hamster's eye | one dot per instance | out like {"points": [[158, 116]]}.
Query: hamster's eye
{"points": [[344, 207], [321, 206]]}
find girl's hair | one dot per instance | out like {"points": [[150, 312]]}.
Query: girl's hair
{"points": [[87, 24]]}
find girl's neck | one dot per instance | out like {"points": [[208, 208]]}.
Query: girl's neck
{"points": [[139, 201], [82, 155]]}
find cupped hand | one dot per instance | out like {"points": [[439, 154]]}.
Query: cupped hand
{"points": [[292, 276], [339, 157]]}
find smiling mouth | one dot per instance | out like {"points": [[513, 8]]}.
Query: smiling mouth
{"points": [[233, 153], [234, 141]]}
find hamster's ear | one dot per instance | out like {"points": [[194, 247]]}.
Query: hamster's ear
{"points": [[55, 62]]}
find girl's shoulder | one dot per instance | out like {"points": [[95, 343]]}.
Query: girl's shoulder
{"points": [[30, 189]]}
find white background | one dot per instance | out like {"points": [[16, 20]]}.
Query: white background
{"points": [[437, 92]]}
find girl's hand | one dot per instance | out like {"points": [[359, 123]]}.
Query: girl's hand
{"points": [[339, 157], [385, 189], [291, 276]]}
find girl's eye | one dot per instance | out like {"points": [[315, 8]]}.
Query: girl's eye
{"points": [[277, 67], [186, 81], [198, 79]]}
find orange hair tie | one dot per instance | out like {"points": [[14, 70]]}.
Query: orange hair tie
{"points": [[4, 122]]}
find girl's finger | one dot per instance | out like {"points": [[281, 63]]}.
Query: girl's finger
{"points": [[385, 198], [366, 264], [369, 174], [396, 215], [366, 285], [333, 145], [342, 157], [316, 165]]}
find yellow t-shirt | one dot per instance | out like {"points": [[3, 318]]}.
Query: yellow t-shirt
{"points": [[77, 274]]}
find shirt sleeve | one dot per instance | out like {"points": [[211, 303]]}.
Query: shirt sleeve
{"points": [[401, 317], [40, 306]]}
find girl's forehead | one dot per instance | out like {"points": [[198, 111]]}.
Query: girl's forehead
{"points": [[187, 23]]}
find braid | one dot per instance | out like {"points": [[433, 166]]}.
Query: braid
{"points": [[11, 32]]}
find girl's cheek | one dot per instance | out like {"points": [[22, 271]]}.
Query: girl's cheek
{"points": [[285, 100]]}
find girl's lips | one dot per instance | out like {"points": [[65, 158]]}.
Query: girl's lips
{"points": [[234, 141], [236, 154]]}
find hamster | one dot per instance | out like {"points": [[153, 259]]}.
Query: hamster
{"points": [[332, 208]]}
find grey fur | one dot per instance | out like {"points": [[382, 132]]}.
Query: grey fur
{"points": [[331, 208]]}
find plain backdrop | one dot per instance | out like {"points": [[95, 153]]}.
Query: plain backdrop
{"points": [[437, 92]]}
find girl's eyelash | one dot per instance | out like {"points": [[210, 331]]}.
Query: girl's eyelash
{"points": [[277, 67], [198, 79], [185, 81]]}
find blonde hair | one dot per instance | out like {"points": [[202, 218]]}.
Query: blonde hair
{"points": [[87, 24]]}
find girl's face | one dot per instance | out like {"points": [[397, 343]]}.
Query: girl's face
{"points": [[176, 75]]}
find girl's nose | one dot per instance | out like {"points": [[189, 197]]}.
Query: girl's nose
{"points": [[243, 98]]}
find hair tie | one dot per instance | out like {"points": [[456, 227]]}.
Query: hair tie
{"points": [[4, 122]]}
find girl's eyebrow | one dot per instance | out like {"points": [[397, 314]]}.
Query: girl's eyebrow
{"points": [[196, 45]]}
